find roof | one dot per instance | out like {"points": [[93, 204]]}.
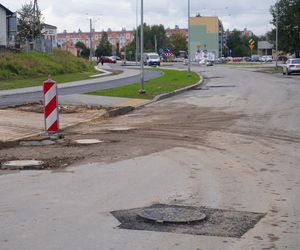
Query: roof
{"points": [[264, 45], [48, 26], [8, 12]]}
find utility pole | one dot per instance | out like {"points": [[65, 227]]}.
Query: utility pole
{"points": [[137, 33], [124, 35], [189, 40], [155, 43], [91, 42], [277, 13], [142, 90], [34, 16]]}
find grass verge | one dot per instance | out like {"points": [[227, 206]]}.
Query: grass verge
{"points": [[169, 81], [38, 81]]}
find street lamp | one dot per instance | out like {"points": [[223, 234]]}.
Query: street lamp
{"points": [[189, 40], [136, 33], [142, 90], [277, 13], [124, 43]]}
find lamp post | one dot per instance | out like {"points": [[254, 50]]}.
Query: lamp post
{"points": [[277, 13], [124, 43], [189, 40], [91, 37], [142, 90], [137, 33]]}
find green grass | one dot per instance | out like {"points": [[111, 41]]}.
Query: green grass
{"points": [[38, 81], [169, 81], [25, 69]]}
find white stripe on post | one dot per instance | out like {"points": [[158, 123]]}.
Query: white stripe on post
{"points": [[52, 118], [51, 106], [50, 94]]}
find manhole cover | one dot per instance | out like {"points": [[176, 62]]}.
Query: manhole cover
{"points": [[88, 141], [188, 220], [172, 214], [22, 164], [37, 143], [121, 129]]}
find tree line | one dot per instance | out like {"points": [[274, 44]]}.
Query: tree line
{"points": [[286, 12]]}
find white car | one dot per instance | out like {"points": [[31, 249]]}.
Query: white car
{"points": [[291, 66]]}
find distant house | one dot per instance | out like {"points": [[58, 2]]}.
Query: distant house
{"points": [[50, 36], [8, 27], [264, 48]]}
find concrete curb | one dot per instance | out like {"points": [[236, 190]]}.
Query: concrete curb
{"points": [[173, 93], [105, 72]]}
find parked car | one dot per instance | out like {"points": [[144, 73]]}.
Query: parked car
{"points": [[115, 58], [266, 59], [255, 58], [291, 66], [109, 59]]}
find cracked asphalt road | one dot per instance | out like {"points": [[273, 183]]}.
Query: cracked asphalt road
{"points": [[231, 145]]}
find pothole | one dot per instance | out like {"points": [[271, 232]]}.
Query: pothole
{"points": [[88, 141], [121, 129], [193, 220], [36, 143], [22, 164]]}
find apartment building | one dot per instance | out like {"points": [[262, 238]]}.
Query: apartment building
{"points": [[118, 39], [8, 27], [207, 36]]}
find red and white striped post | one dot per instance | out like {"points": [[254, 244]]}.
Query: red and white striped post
{"points": [[51, 106]]}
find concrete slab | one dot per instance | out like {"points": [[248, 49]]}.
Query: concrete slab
{"points": [[15, 124]]}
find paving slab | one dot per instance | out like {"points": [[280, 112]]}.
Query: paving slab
{"points": [[15, 124]]}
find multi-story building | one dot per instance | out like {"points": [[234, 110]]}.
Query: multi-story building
{"points": [[207, 37], [118, 39], [8, 27]]}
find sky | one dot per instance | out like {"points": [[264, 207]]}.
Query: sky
{"points": [[72, 15]]}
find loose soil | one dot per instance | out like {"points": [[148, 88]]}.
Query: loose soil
{"points": [[151, 129]]}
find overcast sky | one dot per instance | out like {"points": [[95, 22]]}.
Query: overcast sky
{"points": [[115, 14]]}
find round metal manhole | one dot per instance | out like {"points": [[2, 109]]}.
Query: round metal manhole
{"points": [[22, 164], [172, 214], [120, 129], [88, 141]]}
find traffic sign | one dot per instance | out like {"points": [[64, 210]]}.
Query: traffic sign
{"points": [[251, 44]]}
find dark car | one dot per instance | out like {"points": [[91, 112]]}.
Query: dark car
{"points": [[108, 59]]}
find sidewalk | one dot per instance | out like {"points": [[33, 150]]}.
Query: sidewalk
{"points": [[126, 73]]}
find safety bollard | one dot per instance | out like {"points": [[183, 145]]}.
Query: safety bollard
{"points": [[50, 106]]}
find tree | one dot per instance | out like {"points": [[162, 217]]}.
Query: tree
{"points": [[105, 47], [177, 42], [30, 21], [238, 44], [288, 25], [82, 50], [150, 32]]}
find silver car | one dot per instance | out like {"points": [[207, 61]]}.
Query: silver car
{"points": [[291, 66]]}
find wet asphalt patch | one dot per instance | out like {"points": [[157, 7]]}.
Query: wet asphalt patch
{"points": [[217, 222]]}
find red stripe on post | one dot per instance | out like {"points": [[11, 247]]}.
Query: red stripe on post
{"points": [[47, 86], [50, 106], [53, 127]]}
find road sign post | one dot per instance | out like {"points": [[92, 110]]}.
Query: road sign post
{"points": [[251, 45]]}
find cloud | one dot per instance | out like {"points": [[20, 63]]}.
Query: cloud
{"points": [[115, 14]]}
